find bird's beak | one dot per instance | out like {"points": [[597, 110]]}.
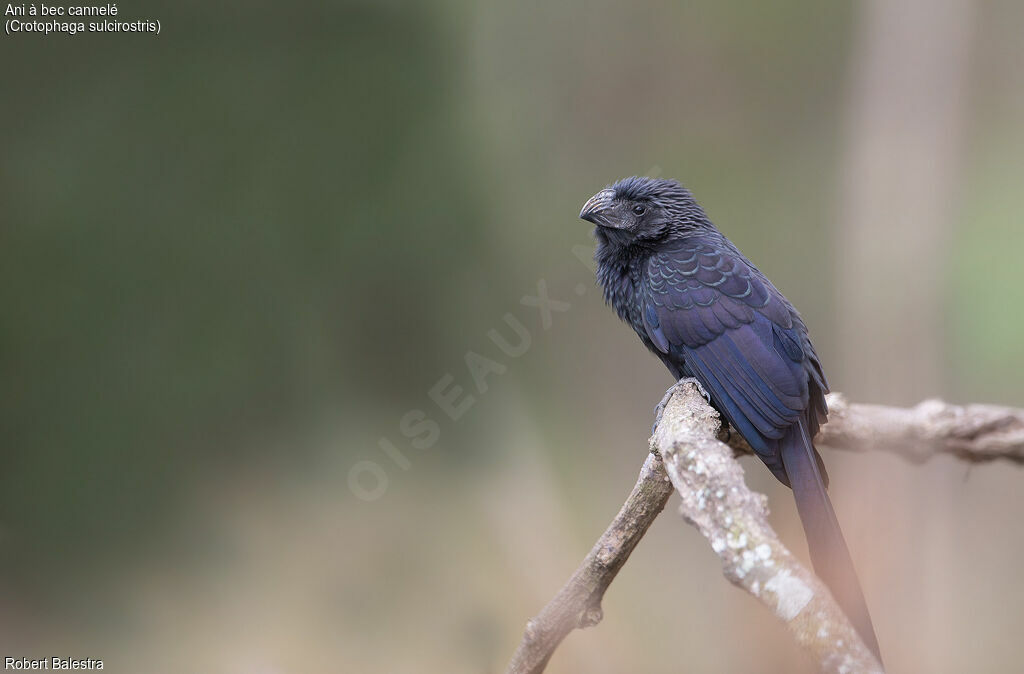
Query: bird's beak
{"points": [[597, 208]]}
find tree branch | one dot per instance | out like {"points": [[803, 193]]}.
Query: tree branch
{"points": [[578, 603], [973, 433], [717, 501], [734, 520]]}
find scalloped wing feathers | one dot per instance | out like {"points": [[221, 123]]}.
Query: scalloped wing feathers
{"points": [[704, 304]]}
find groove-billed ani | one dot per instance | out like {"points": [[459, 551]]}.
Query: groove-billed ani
{"points": [[698, 304]]}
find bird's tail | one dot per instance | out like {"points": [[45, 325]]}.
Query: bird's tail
{"points": [[829, 554]]}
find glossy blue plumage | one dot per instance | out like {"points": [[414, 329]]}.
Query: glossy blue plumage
{"points": [[707, 312], [705, 307]]}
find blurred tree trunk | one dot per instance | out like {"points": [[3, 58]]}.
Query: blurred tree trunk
{"points": [[898, 193]]}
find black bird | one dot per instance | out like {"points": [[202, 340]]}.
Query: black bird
{"points": [[703, 308]]}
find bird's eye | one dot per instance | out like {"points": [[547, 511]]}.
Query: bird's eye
{"points": [[639, 209]]}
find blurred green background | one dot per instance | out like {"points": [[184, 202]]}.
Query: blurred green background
{"points": [[235, 255]]}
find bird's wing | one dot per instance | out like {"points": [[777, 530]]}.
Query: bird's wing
{"points": [[707, 305], [704, 304]]}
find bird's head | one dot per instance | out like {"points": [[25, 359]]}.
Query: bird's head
{"points": [[650, 209]]}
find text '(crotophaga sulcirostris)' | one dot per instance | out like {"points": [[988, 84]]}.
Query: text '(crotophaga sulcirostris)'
{"points": [[698, 304]]}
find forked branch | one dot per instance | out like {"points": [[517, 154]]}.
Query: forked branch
{"points": [[716, 500]]}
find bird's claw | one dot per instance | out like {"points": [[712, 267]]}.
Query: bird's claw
{"points": [[700, 387], [659, 411]]}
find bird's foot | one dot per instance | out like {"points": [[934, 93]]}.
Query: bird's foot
{"points": [[660, 409]]}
